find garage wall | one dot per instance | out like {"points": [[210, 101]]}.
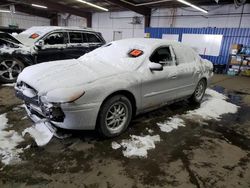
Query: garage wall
{"points": [[22, 20], [73, 21], [108, 22], [230, 36], [188, 17]]}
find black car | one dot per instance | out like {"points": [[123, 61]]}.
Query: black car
{"points": [[42, 44]]}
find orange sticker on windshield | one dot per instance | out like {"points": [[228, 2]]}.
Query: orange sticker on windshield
{"points": [[135, 53], [34, 36]]}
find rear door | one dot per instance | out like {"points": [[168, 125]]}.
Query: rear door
{"points": [[53, 48], [78, 44], [94, 41], [186, 70]]}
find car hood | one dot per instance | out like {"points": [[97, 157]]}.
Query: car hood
{"points": [[66, 77]]}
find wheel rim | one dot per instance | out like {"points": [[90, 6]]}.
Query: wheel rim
{"points": [[10, 69], [200, 90], [116, 116]]}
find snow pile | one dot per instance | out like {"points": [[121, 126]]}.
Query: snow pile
{"points": [[40, 132], [115, 145], [213, 107], [9, 140], [137, 146], [171, 124]]}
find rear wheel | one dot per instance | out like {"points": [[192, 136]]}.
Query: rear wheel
{"points": [[10, 68], [199, 91], [114, 116]]}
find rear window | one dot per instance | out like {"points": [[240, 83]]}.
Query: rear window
{"points": [[92, 37]]}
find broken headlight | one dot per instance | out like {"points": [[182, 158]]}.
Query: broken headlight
{"points": [[51, 111]]}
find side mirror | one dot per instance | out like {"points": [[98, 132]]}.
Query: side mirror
{"points": [[39, 44], [155, 67]]}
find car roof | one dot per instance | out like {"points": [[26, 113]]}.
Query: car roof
{"points": [[47, 29], [151, 42], [24, 36]]}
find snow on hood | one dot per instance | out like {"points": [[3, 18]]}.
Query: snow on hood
{"points": [[67, 76], [19, 50], [24, 36]]}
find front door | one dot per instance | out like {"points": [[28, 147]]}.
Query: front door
{"points": [[53, 48], [159, 87]]}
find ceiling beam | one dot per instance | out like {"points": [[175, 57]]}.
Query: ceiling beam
{"points": [[26, 9], [52, 5], [140, 10]]}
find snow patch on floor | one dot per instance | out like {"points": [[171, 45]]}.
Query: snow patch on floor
{"points": [[173, 123], [40, 132], [115, 145], [213, 107], [9, 140], [137, 146]]}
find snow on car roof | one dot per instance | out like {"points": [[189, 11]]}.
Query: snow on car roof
{"points": [[117, 53], [24, 36]]}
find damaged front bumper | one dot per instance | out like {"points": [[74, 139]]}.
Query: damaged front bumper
{"points": [[66, 116]]}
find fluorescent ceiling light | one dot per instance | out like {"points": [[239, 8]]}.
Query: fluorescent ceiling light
{"points": [[39, 6], [6, 11], [192, 5], [93, 5]]}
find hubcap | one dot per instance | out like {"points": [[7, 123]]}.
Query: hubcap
{"points": [[10, 69], [117, 116], [199, 90]]}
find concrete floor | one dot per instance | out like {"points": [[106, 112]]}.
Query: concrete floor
{"points": [[216, 154]]}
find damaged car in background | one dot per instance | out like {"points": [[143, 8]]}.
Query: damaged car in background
{"points": [[42, 44], [106, 88]]}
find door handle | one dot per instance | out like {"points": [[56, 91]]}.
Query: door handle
{"points": [[173, 77]]}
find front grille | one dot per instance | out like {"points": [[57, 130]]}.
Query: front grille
{"points": [[27, 93], [35, 106]]}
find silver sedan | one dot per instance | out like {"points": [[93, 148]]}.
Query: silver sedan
{"points": [[107, 87]]}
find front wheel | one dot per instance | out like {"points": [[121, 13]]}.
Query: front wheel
{"points": [[199, 91], [10, 68], [114, 116]]}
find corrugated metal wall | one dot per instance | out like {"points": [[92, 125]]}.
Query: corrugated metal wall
{"points": [[230, 36]]}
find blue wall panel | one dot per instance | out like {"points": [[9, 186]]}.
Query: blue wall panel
{"points": [[230, 36]]}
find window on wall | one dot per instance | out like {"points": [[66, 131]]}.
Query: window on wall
{"points": [[75, 37]]}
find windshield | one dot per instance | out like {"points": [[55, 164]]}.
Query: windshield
{"points": [[119, 54]]}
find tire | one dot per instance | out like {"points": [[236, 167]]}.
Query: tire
{"points": [[10, 68], [199, 92], [110, 122]]}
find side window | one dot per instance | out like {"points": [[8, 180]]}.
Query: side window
{"points": [[184, 54], [92, 38], [56, 38], [161, 55], [84, 38], [75, 37]]}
